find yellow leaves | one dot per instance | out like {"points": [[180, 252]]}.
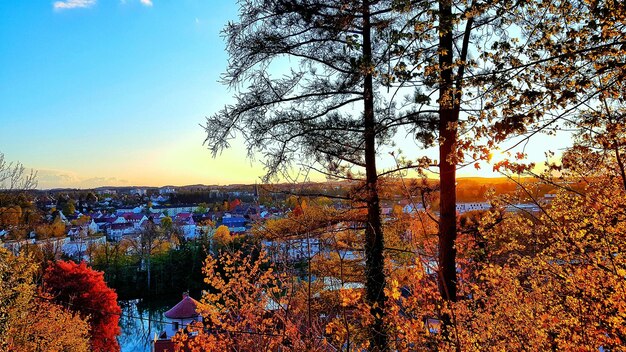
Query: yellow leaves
{"points": [[394, 289], [244, 296], [29, 323], [48, 325], [222, 236], [561, 285], [555, 279]]}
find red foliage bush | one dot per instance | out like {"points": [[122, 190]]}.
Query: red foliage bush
{"points": [[84, 291]]}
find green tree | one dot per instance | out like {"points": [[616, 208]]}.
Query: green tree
{"points": [[202, 208], [167, 224], [69, 207], [149, 240]]}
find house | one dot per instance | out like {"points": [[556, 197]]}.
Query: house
{"points": [[53, 245], [135, 219], [184, 218], [139, 191], [186, 223], [465, 207], [547, 198], [293, 250], [174, 210], [63, 218], [14, 246], [156, 200], [116, 231], [177, 318], [167, 190], [235, 223], [76, 232], [198, 218], [523, 207], [156, 217], [46, 203], [181, 315], [92, 227], [95, 215], [78, 248], [412, 208], [104, 222]]}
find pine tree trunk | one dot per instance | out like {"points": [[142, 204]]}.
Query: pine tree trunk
{"points": [[374, 261], [448, 118]]}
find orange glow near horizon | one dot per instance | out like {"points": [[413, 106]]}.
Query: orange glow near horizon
{"points": [[498, 156]]}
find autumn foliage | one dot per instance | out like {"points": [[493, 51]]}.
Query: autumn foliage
{"points": [[29, 320], [83, 290], [234, 310]]}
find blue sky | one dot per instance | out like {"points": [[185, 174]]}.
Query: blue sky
{"points": [[112, 92]]}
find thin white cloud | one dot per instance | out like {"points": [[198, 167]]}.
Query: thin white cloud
{"points": [[146, 3], [48, 179], [73, 4]]}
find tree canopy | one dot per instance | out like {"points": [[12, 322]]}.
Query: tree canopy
{"points": [[29, 320], [84, 291]]}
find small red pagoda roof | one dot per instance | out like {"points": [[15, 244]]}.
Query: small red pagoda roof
{"points": [[185, 309]]}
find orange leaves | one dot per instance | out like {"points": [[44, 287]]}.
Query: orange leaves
{"points": [[350, 297], [234, 204], [10, 216]]}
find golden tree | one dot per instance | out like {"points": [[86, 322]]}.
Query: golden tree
{"points": [[28, 320], [247, 308]]}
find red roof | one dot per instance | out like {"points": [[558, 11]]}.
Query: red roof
{"points": [[132, 216], [121, 226], [170, 346], [185, 309], [164, 346]]}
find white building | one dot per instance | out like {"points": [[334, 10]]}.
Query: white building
{"points": [[78, 248], [181, 315], [465, 207], [167, 190], [139, 191]]}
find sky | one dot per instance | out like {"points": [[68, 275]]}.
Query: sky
{"points": [[113, 92]]}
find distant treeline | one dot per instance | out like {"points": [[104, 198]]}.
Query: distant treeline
{"points": [[196, 197]]}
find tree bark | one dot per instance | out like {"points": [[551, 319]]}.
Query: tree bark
{"points": [[448, 118], [374, 260]]}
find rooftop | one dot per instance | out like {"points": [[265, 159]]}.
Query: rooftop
{"points": [[185, 309]]}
